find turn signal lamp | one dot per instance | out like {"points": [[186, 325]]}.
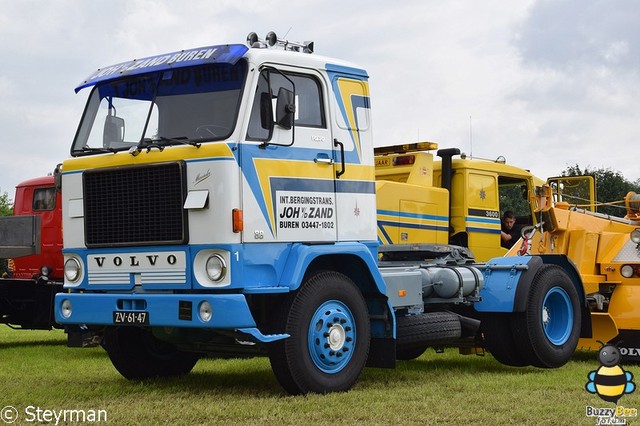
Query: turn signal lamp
{"points": [[238, 221]]}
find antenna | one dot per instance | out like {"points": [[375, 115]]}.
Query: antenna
{"points": [[470, 139]]}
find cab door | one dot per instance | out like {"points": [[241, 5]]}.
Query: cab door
{"points": [[353, 154], [288, 166], [482, 214]]}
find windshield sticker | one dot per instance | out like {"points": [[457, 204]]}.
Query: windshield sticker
{"points": [[211, 78], [229, 54]]}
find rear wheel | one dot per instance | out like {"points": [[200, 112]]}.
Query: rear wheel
{"points": [[496, 331], [328, 324], [137, 354], [549, 329]]}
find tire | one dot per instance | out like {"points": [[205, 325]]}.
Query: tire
{"points": [[496, 331], [415, 333], [328, 324], [137, 354], [547, 332]]}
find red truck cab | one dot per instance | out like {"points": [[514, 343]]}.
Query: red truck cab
{"points": [[39, 197], [32, 239]]}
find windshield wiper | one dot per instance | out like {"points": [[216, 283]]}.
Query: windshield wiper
{"points": [[160, 143], [88, 149], [181, 140]]}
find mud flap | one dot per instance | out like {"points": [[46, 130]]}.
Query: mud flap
{"points": [[603, 330]]}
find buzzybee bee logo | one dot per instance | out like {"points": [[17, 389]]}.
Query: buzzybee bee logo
{"points": [[610, 381]]}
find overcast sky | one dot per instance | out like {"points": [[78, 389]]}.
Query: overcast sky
{"points": [[545, 83]]}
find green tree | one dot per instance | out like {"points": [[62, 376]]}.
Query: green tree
{"points": [[6, 209], [6, 205], [515, 198], [611, 186]]}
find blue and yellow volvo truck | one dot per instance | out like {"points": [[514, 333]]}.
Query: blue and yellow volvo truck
{"points": [[222, 201]]}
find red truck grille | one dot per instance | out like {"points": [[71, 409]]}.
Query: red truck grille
{"points": [[137, 205]]}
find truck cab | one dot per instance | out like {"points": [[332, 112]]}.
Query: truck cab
{"points": [[465, 208], [32, 239], [38, 197]]}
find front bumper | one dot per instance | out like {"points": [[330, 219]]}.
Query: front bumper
{"points": [[229, 311]]}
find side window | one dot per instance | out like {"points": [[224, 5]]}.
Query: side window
{"points": [[309, 102], [44, 199], [309, 109], [514, 196]]}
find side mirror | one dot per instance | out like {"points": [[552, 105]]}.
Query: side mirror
{"points": [[113, 130], [285, 108], [266, 112], [57, 177]]}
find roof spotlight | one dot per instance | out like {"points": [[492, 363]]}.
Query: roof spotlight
{"points": [[252, 38], [271, 38]]}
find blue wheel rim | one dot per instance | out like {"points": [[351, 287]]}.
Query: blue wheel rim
{"points": [[557, 316], [332, 336]]}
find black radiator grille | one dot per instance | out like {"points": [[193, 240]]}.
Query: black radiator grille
{"points": [[136, 205]]}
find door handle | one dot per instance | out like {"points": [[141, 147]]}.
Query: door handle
{"points": [[323, 159], [340, 172]]}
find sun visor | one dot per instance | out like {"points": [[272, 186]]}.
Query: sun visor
{"points": [[224, 54]]}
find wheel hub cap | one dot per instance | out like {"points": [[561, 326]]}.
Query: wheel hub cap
{"points": [[336, 337], [332, 336], [545, 316]]}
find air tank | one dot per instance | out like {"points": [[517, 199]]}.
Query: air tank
{"points": [[451, 281]]}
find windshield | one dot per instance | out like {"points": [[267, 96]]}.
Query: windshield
{"points": [[195, 104]]}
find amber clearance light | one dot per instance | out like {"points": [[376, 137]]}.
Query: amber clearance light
{"points": [[238, 222]]}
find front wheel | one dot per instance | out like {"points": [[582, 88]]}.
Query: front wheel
{"points": [[328, 324], [549, 329], [137, 354]]}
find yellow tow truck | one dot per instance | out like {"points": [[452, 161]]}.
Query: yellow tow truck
{"points": [[470, 217]]}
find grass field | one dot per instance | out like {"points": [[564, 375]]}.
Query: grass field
{"points": [[37, 370]]}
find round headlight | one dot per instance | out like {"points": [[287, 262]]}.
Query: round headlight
{"points": [[65, 308], [45, 271], [72, 269], [626, 271], [216, 267], [635, 235], [205, 311]]}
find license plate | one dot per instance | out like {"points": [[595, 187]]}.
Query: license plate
{"points": [[135, 318]]}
